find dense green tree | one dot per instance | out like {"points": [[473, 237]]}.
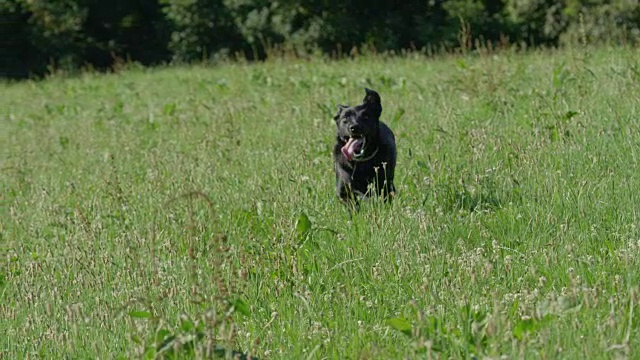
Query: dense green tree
{"points": [[67, 34]]}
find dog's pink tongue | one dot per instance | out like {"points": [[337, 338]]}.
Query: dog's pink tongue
{"points": [[351, 147]]}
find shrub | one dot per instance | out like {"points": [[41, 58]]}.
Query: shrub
{"points": [[200, 28], [71, 33], [602, 21]]}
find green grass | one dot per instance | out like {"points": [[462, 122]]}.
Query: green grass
{"points": [[199, 202]]}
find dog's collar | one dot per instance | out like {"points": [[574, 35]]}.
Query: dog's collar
{"points": [[368, 157]]}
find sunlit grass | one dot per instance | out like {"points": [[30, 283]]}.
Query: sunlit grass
{"points": [[199, 203]]}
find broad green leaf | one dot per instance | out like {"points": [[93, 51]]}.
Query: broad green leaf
{"points": [[186, 325], [400, 324], [241, 307], [569, 115], [522, 327], [303, 225], [161, 335], [140, 314]]}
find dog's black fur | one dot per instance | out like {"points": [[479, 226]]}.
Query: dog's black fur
{"points": [[365, 152]]}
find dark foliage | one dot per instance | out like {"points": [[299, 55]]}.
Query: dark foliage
{"points": [[69, 34]]}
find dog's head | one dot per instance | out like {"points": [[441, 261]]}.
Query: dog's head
{"points": [[358, 126]]}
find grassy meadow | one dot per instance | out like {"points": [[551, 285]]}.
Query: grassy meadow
{"points": [[191, 211]]}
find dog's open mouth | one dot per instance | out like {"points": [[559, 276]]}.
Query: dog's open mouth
{"points": [[354, 148]]}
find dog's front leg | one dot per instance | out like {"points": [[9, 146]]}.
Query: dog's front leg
{"points": [[347, 196], [387, 191]]}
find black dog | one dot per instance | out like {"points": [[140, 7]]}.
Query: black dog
{"points": [[365, 152]]}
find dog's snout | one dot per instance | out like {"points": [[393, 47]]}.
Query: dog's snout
{"points": [[355, 129]]}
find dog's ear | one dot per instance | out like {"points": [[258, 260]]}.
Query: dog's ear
{"points": [[371, 97], [372, 100], [340, 109]]}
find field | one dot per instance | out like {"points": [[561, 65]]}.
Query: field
{"points": [[191, 211]]}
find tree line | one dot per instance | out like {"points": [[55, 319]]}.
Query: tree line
{"points": [[41, 35]]}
